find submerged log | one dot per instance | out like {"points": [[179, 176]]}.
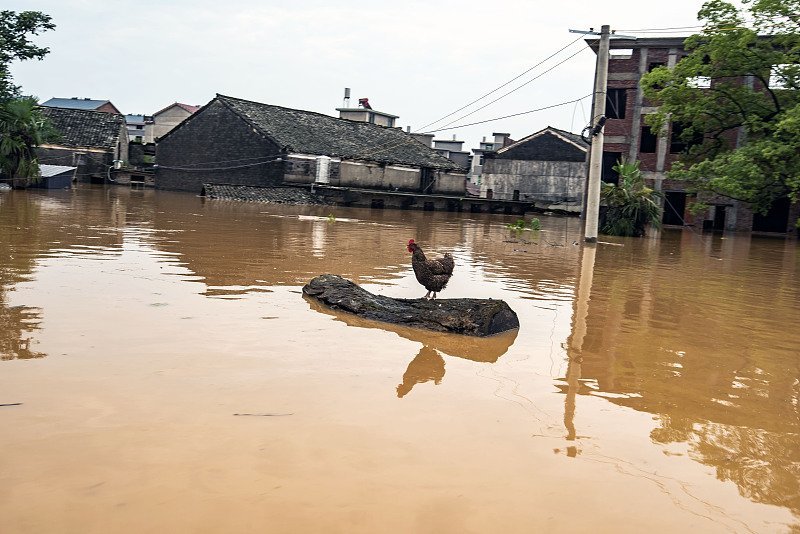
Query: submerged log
{"points": [[471, 317]]}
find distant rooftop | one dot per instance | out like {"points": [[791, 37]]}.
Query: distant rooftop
{"points": [[135, 119], [75, 103], [185, 107]]}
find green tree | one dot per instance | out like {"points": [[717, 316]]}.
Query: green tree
{"points": [[629, 205], [15, 44], [742, 132], [22, 128]]}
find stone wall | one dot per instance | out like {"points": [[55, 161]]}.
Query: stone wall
{"points": [[543, 182], [216, 146]]}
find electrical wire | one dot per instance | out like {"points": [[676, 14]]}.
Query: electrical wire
{"points": [[410, 139], [660, 29], [195, 169], [512, 115], [503, 85], [516, 88]]}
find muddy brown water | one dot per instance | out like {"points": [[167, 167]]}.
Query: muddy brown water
{"points": [[654, 384]]}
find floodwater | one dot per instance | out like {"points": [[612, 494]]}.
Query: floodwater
{"points": [[162, 372]]}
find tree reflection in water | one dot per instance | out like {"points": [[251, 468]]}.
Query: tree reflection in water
{"points": [[18, 229], [716, 363]]}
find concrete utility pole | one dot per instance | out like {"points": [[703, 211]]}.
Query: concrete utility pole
{"points": [[596, 153]]}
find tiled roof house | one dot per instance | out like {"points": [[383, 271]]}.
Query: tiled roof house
{"points": [[241, 142], [547, 167], [89, 140]]}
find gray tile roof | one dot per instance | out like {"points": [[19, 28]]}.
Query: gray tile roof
{"points": [[307, 132], [82, 128], [575, 138], [271, 195]]}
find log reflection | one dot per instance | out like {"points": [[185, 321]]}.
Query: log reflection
{"points": [[428, 364]]}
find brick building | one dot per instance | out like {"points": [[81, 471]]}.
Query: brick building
{"points": [[240, 142], [628, 136], [88, 140]]}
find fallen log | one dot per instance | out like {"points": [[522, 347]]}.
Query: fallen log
{"points": [[470, 317]]}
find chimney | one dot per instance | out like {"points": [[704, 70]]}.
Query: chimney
{"points": [[408, 129]]}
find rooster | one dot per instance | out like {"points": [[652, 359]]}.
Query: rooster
{"points": [[433, 274]]}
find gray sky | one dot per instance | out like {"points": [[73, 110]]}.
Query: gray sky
{"points": [[419, 60]]}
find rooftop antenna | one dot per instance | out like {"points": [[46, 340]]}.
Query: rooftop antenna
{"points": [[346, 102]]}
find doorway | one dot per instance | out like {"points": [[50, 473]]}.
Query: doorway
{"points": [[426, 180], [674, 208]]}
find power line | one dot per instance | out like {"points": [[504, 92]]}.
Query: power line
{"points": [[662, 29], [503, 85], [390, 146], [195, 169], [512, 91], [512, 115]]}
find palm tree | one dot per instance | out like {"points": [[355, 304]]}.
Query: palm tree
{"points": [[630, 205], [22, 128]]}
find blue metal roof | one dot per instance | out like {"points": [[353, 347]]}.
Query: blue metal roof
{"points": [[74, 103]]}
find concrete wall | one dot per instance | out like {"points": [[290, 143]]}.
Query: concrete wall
{"points": [[450, 183], [164, 122], [544, 182], [374, 176], [121, 150], [366, 115], [215, 146], [301, 169]]}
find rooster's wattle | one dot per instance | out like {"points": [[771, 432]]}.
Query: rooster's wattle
{"points": [[433, 274]]}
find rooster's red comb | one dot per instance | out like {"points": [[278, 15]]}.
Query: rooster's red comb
{"points": [[410, 242]]}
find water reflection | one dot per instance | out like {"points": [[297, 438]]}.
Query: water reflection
{"points": [[428, 364], [716, 361], [17, 323], [700, 332]]}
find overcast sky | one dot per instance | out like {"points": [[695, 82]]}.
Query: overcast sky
{"points": [[419, 60]]}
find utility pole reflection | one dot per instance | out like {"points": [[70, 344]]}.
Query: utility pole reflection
{"points": [[575, 341]]}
